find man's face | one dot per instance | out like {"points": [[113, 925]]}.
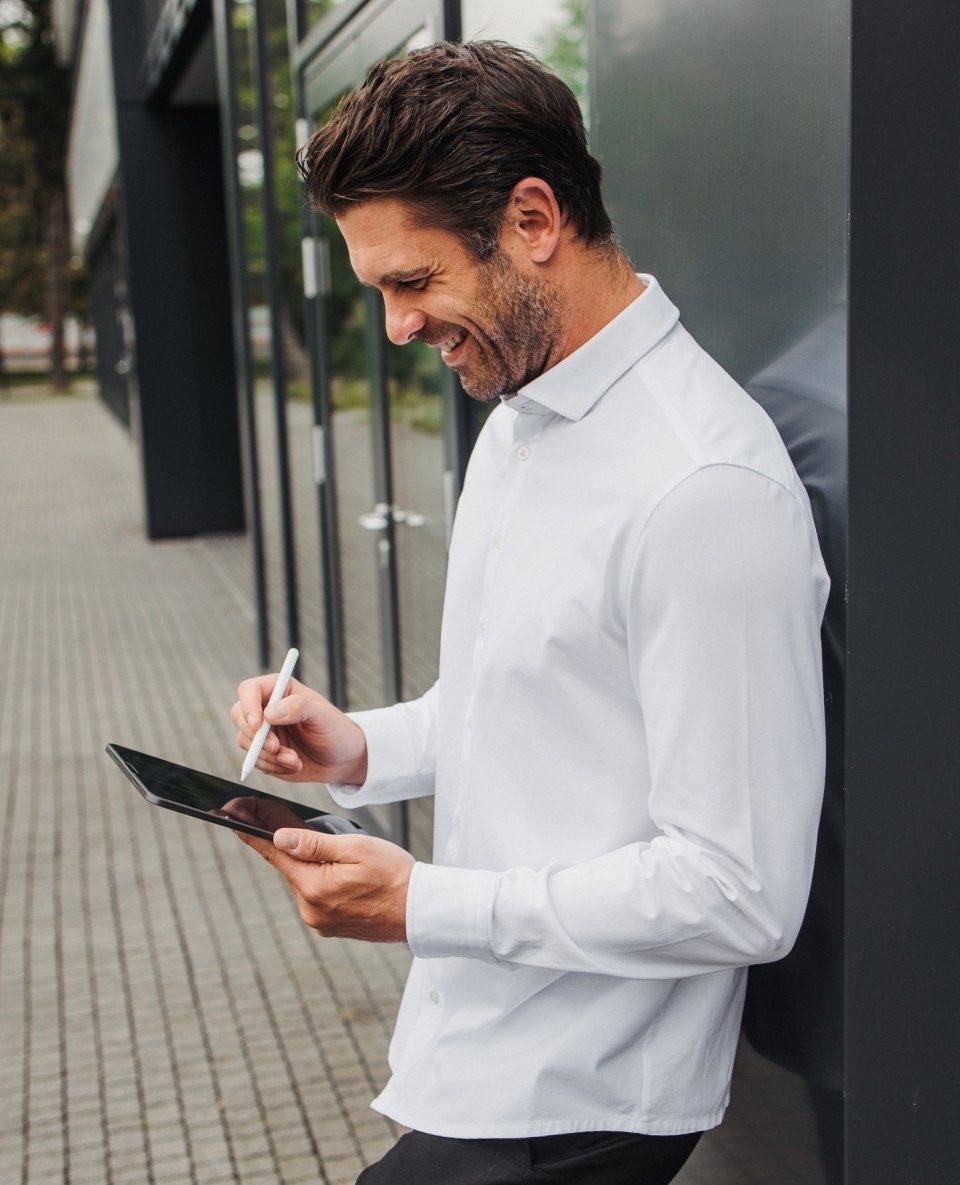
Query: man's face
{"points": [[496, 325]]}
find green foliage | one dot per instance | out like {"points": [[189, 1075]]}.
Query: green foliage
{"points": [[34, 97]]}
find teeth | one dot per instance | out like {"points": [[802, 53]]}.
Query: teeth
{"points": [[452, 344]]}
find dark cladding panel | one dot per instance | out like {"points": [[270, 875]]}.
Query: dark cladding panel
{"points": [[722, 129], [177, 249], [903, 849]]}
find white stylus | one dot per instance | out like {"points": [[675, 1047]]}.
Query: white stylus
{"points": [[260, 735]]}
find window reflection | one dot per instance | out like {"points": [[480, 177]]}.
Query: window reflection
{"points": [[313, 11], [281, 367]]}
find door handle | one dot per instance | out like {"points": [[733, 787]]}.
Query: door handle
{"points": [[409, 518], [379, 518], [373, 521]]}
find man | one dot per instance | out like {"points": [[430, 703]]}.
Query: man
{"points": [[625, 741]]}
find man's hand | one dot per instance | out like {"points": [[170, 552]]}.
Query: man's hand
{"points": [[346, 886], [309, 741]]}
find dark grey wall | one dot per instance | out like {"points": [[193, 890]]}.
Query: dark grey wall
{"points": [[903, 668], [722, 127], [176, 251]]}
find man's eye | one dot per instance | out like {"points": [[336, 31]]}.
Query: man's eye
{"points": [[417, 285]]}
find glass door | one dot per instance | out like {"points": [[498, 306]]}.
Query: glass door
{"points": [[386, 414]]}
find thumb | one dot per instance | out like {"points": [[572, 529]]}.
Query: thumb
{"points": [[306, 844]]}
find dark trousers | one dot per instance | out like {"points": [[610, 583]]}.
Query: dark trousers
{"points": [[589, 1158]]}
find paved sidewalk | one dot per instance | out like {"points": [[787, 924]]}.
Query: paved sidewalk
{"points": [[164, 1015]]}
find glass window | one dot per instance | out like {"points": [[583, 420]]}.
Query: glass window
{"points": [[276, 325], [313, 11]]}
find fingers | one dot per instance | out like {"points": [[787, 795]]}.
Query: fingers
{"points": [[354, 886], [252, 694], [247, 713], [314, 847], [275, 758]]}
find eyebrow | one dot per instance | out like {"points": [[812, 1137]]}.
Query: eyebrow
{"points": [[404, 276]]}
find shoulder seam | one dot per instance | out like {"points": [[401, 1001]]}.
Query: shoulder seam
{"points": [[682, 479]]}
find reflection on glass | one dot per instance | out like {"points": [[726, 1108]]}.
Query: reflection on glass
{"points": [[299, 407], [296, 420], [250, 176], [313, 11], [769, 1135], [364, 519], [351, 440], [415, 381]]}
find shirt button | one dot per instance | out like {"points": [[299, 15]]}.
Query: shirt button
{"points": [[435, 996], [498, 538], [482, 628], [523, 452]]}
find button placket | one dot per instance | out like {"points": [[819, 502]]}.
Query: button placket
{"points": [[526, 430]]}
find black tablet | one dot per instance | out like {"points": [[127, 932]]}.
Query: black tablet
{"points": [[229, 804]]}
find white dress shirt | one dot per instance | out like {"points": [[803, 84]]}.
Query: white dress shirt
{"points": [[626, 747]]}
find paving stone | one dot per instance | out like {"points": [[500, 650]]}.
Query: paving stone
{"points": [[150, 966]]}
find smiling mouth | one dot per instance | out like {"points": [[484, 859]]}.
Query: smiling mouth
{"points": [[451, 345]]}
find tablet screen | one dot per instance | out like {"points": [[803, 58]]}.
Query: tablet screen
{"points": [[205, 796]]}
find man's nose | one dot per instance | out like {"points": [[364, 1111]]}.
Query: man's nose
{"points": [[403, 320]]}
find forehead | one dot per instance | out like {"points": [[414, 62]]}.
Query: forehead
{"points": [[385, 243]]}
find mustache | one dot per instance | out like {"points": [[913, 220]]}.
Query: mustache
{"points": [[436, 335]]}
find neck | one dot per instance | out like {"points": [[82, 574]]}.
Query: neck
{"points": [[598, 285]]}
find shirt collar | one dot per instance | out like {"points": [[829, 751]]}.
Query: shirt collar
{"points": [[573, 386]]}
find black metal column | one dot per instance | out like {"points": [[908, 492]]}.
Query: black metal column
{"points": [[176, 240], [903, 665], [237, 272]]}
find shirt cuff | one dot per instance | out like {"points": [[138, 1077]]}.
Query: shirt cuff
{"points": [[449, 912], [392, 761]]}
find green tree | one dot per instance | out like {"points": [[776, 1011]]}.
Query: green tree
{"points": [[34, 97]]}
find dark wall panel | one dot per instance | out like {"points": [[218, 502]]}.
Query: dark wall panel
{"points": [[179, 293], [903, 850], [722, 127]]}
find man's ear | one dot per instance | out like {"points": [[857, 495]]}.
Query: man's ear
{"points": [[533, 220]]}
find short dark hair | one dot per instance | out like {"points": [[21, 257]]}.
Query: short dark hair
{"points": [[450, 129]]}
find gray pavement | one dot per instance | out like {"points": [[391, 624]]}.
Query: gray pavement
{"points": [[164, 1015]]}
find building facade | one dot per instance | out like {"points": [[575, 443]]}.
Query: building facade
{"points": [[783, 169]]}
